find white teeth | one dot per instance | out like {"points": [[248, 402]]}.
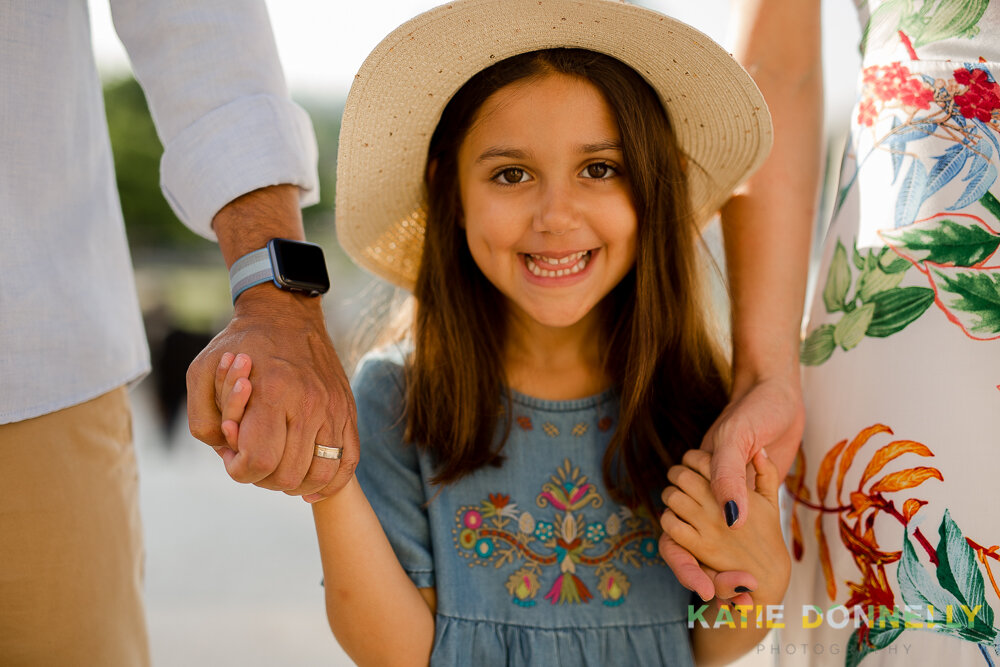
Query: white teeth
{"points": [[565, 260], [579, 260]]}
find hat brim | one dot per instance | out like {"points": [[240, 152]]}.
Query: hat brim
{"points": [[717, 113]]}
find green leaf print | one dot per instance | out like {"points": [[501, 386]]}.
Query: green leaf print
{"points": [[890, 12], [951, 18], [896, 264], [849, 331], [971, 298], [918, 589], [944, 241], [958, 573], [857, 257], [838, 280], [874, 280], [879, 638], [896, 308], [818, 347]]}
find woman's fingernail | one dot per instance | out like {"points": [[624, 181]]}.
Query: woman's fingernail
{"points": [[239, 385], [763, 451], [226, 361], [743, 589], [732, 513], [241, 361]]}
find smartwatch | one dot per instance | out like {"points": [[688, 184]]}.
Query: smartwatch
{"points": [[294, 266]]}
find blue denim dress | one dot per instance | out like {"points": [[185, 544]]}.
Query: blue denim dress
{"points": [[533, 563]]}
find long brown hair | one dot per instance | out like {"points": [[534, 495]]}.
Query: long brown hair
{"points": [[658, 348]]}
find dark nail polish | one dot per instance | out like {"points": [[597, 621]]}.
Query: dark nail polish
{"points": [[743, 589], [732, 513]]}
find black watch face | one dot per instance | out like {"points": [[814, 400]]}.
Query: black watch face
{"points": [[299, 266]]}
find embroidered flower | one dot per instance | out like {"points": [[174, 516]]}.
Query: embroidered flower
{"points": [[613, 586], [523, 586], [595, 532], [473, 519], [524, 423], [648, 547], [484, 547], [605, 423], [467, 538], [545, 531]]}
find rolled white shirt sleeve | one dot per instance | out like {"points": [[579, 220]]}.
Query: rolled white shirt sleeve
{"points": [[217, 94]]}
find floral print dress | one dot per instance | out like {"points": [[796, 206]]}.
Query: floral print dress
{"points": [[895, 496]]}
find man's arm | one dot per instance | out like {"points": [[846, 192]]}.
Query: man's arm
{"points": [[239, 160], [302, 396]]}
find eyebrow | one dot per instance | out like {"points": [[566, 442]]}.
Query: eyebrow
{"points": [[512, 153]]}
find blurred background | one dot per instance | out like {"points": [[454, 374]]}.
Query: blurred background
{"points": [[233, 572]]}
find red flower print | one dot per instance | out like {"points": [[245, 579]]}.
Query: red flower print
{"points": [[914, 93], [981, 98], [524, 423], [605, 423], [867, 113]]}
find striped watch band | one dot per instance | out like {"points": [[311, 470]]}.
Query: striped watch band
{"points": [[251, 269]]}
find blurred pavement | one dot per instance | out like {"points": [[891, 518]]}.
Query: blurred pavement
{"points": [[232, 571]]}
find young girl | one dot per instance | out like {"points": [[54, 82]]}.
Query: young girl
{"points": [[536, 172]]}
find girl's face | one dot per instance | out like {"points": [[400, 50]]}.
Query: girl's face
{"points": [[546, 203]]}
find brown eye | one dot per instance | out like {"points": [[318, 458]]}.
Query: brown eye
{"points": [[511, 175], [599, 170]]}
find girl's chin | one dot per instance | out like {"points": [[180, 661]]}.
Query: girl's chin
{"points": [[552, 319]]}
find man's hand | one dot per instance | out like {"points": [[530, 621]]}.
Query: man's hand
{"points": [[301, 397]]}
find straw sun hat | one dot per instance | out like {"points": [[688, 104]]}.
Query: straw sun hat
{"points": [[715, 109]]}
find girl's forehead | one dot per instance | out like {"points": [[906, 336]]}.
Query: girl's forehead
{"points": [[545, 108]]}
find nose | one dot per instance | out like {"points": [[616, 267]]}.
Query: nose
{"points": [[557, 210]]}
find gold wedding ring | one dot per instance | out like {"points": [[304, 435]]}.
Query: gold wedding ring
{"points": [[325, 452]]}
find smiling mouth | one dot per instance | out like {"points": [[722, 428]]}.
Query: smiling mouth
{"points": [[552, 267]]}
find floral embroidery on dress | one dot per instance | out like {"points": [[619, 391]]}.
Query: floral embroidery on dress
{"points": [[567, 551], [955, 581], [550, 429], [605, 423], [525, 423]]}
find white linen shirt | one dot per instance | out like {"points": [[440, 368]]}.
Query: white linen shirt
{"points": [[70, 325]]}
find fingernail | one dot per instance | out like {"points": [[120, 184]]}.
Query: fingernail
{"points": [[743, 589], [239, 385], [240, 362], [226, 361], [732, 513], [763, 451]]}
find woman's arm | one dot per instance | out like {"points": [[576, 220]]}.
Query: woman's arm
{"points": [[767, 226], [376, 613]]}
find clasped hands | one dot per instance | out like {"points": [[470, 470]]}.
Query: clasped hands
{"points": [[767, 416], [301, 397]]}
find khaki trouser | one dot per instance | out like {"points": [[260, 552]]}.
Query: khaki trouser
{"points": [[70, 539]]}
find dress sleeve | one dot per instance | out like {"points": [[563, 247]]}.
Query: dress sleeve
{"points": [[217, 94], [390, 469]]}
